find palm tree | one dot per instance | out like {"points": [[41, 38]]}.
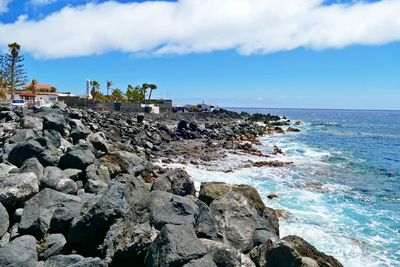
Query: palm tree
{"points": [[117, 94], [152, 87], [95, 89], [15, 48], [129, 92], [108, 86], [33, 84]]}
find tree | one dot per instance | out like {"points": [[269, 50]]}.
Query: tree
{"points": [[152, 87], [109, 84], [15, 71], [95, 89], [32, 85], [129, 92], [117, 94]]}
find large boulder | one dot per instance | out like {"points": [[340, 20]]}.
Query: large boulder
{"points": [[23, 151], [205, 225], [236, 220], [56, 179], [123, 161], [277, 253], [22, 135], [76, 159], [305, 249], [53, 120], [73, 260], [271, 220], [4, 220], [176, 181], [15, 188], [33, 123], [175, 245], [38, 212], [79, 131], [210, 191], [98, 140], [19, 252], [179, 210], [51, 245], [125, 194], [32, 165]]}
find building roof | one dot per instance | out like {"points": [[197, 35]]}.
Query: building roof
{"points": [[40, 86]]}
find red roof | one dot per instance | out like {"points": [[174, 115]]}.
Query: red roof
{"points": [[35, 93], [40, 86]]}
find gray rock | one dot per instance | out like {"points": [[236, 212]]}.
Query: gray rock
{"points": [[73, 174], [32, 165], [205, 225], [4, 220], [99, 142], [236, 220], [55, 137], [39, 210], [56, 179], [271, 220], [175, 245], [17, 187], [22, 135], [73, 261], [18, 215], [76, 159], [51, 245], [98, 172], [19, 252], [49, 157], [14, 233], [176, 181], [179, 210], [305, 249], [33, 123], [54, 121], [5, 239], [23, 151], [124, 194], [6, 168], [276, 254], [95, 186], [79, 131], [205, 261], [125, 161]]}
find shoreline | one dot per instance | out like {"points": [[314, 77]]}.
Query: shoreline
{"points": [[122, 207]]}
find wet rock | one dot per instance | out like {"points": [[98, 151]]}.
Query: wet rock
{"points": [[124, 194], [32, 165], [305, 249], [56, 179], [175, 245], [272, 196], [17, 187], [76, 159], [23, 151], [19, 252], [39, 210], [236, 220], [51, 245], [293, 130], [176, 181], [33, 123], [4, 220]]}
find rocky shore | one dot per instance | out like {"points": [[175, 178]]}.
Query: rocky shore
{"points": [[85, 188]]}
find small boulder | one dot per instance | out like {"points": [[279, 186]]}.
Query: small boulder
{"points": [[22, 135], [33, 123], [205, 225], [32, 165], [51, 245], [19, 252], [176, 181], [4, 220], [23, 151], [76, 159], [175, 245], [15, 188], [98, 140], [56, 179]]}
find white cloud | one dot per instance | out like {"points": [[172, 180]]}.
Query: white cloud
{"points": [[42, 2], [189, 26], [3, 5]]}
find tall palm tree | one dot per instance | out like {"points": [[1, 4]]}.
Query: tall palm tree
{"points": [[129, 92], [152, 87], [15, 48], [95, 89], [109, 84]]}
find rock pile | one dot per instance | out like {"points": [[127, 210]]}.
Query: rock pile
{"points": [[78, 188]]}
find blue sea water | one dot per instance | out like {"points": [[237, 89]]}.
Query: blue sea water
{"points": [[343, 192]]}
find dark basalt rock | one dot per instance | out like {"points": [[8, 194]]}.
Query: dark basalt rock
{"points": [[23, 151], [32, 165], [19, 252], [4, 220], [305, 249], [51, 245], [175, 245], [176, 181], [76, 159], [56, 179]]}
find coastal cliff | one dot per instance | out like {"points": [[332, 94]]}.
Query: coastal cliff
{"points": [[85, 188]]}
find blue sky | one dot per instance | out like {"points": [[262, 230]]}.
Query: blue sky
{"points": [[333, 60]]}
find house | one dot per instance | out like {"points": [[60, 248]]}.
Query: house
{"points": [[207, 108], [37, 93]]}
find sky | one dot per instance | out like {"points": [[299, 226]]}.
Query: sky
{"points": [[236, 53]]}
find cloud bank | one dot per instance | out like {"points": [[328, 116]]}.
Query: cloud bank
{"points": [[193, 26], [3, 5]]}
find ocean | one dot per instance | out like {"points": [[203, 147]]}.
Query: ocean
{"points": [[342, 193]]}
